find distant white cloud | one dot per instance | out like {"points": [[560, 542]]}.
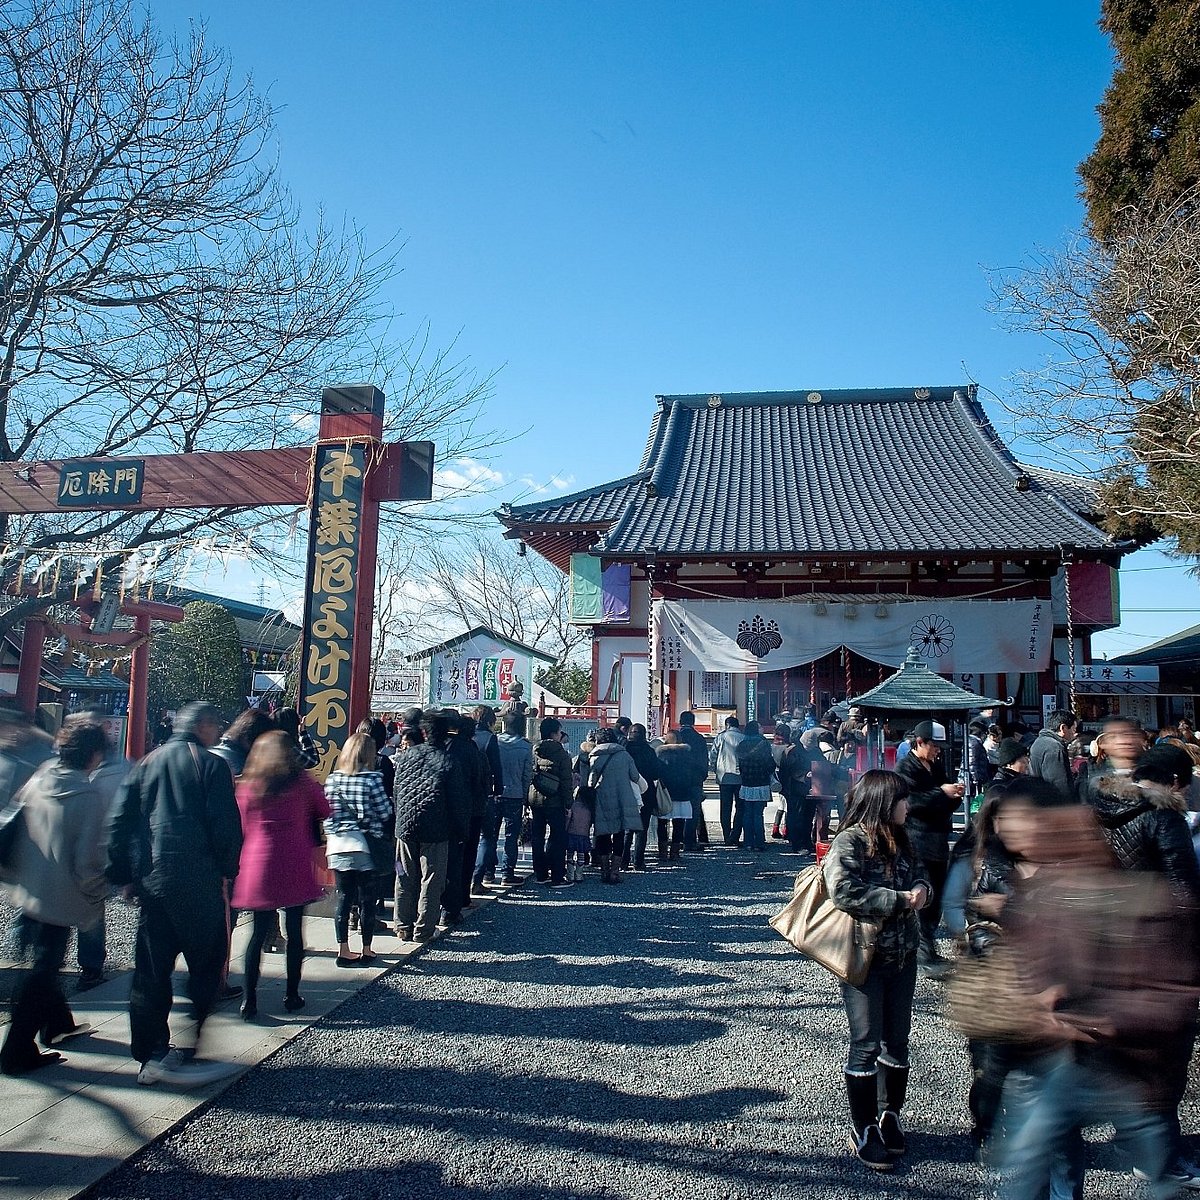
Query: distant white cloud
{"points": [[556, 483], [466, 476], [303, 420]]}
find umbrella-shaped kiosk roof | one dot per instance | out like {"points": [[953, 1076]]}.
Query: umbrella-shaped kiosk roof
{"points": [[915, 688]]}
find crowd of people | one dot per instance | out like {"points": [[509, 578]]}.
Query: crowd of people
{"points": [[1073, 899], [1074, 889]]}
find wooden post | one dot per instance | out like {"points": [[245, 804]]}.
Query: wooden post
{"points": [[139, 684], [30, 670]]}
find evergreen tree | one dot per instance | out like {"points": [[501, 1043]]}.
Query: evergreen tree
{"points": [[200, 658], [1148, 153]]}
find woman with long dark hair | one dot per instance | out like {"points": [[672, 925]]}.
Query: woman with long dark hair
{"points": [[872, 874], [280, 805]]}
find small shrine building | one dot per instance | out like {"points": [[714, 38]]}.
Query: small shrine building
{"points": [[775, 549]]}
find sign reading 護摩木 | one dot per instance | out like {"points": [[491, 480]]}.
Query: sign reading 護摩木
{"points": [[100, 482], [329, 618]]}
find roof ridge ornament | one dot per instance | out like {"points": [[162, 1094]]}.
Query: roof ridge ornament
{"points": [[814, 397], [715, 402], [921, 393]]}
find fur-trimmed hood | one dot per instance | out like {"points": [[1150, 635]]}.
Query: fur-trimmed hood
{"points": [[1116, 796]]}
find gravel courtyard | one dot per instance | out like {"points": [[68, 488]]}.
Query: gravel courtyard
{"points": [[651, 1040]]}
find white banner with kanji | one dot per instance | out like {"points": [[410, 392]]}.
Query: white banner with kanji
{"points": [[752, 636]]}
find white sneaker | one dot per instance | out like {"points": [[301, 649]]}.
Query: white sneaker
{"points": [[177, 1069]]}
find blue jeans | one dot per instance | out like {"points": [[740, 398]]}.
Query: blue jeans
{"points": [[493, 856], [879, 1013], [1060, 1099], [753, 816]]}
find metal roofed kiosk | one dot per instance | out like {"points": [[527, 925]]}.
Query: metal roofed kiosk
{"points": [[914, 690], [783, 548]]}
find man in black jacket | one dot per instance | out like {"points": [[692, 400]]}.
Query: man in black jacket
{"points": [[549, 798], [695, 832], [174, 844], [931, 804]]}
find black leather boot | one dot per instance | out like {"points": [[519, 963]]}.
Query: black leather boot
{"points": [[894, 1088], [865, 1139]]}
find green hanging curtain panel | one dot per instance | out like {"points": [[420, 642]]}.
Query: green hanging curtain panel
{"points": [[587, 589]]}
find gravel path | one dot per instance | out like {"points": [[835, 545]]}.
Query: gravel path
{"points": [[654, 1040]]}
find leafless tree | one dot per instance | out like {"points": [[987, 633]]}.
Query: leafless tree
{"points": [[1118, 391], [446, 585], [159, 290]]}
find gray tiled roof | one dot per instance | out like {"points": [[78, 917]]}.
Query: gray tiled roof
{"points": [[915, 688], [594, 506], [800, 475]]}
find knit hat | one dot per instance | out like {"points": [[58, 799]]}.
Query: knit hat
{"points": [[1009, 751]]}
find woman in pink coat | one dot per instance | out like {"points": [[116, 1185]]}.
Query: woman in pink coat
{"points": [[281, 806]]}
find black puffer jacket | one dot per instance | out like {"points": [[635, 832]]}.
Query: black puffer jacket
{"points": [[1146, 830], [551, 758], [756, 763], [423, 786]]}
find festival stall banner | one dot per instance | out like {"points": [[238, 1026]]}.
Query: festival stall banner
{"points": [[334, 543], [752, 636]]}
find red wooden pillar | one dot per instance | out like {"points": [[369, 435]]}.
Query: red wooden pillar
{"points": [[29, 673], [139, 686]]}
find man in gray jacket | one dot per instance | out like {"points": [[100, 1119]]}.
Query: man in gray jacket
{"points": [[516, 768], [1049, 758]]}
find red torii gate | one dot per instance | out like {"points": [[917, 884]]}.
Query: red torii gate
{"points": [[345, 476]]}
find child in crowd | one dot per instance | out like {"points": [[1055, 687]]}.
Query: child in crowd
{"points": [[579, 840]]}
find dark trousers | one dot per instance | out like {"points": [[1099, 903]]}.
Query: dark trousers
{"points": [[800, 811], [729, 795], [469, 854], [548, 829], [194, 927], [931, 914], [635, 843], [453, 895], [265, 924], [38, 1003], [610, 843], [359, 888], [879, 1013]]}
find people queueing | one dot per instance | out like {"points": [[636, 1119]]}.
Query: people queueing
{"points": [[475, 775], [646, 761], [579, 833], [550, 796], [795, 785], [498, 858], [359, 834], [484, 867], [57, 882], [613, 776], [676, 773], [281, 805], [433, 808], [722, 760], [175, 845], [931, 804], [695, 833], [756, 768], [872, 872]]}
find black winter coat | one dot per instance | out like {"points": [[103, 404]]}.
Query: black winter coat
{"points": [[644, 758], [177, 831], [929, 808], [471, 771], [423, 785], [756, 763], [551, 757], [699, 748], [1146, 830]]}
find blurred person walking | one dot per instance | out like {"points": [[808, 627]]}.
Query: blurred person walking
{"points": [[281, 807], [174, 845], [57, 881]]}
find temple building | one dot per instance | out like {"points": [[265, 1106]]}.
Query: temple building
{"points": [[784, 548]]}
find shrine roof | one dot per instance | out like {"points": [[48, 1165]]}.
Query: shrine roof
{"points": [[888, 472]]}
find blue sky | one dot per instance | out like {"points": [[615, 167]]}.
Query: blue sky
{"points": [[611, 200]]}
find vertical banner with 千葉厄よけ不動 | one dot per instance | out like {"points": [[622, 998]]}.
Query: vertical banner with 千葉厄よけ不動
{"points": [[333, 552]]}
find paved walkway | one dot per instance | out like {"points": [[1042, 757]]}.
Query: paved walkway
{"points": [[652, 1040]]}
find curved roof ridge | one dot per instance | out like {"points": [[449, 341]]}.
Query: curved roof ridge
{"points": [[671, 449], [599, 489]]}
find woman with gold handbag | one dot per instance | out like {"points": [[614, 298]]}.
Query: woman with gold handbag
{"points": [[872, 874]]}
